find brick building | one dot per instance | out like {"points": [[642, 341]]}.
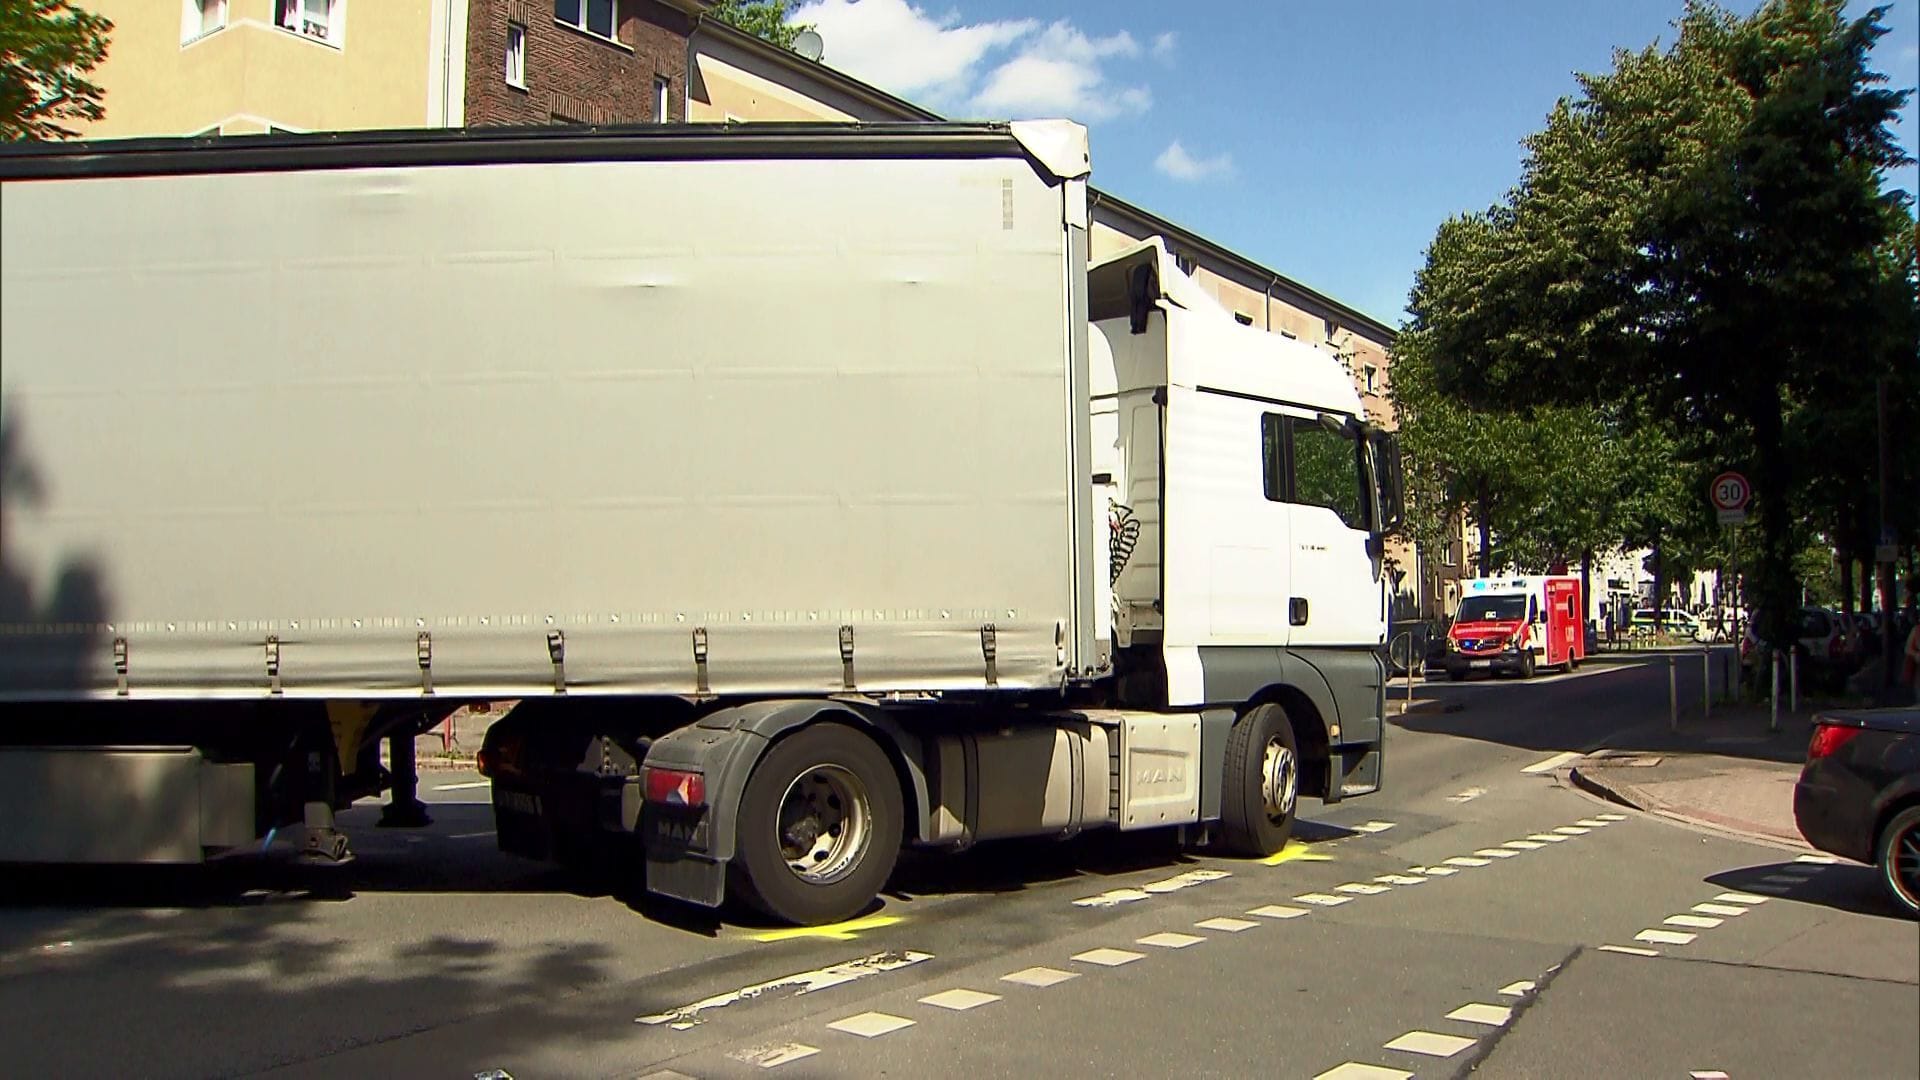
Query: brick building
{"points": [[576, 61]]}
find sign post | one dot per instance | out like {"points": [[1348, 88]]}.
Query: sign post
{"points": [[1730, 493]]}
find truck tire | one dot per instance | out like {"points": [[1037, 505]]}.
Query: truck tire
{"points": [[1260, 794], [819, 828]]}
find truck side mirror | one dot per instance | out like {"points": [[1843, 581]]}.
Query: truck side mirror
{"points": [[1390, 479], [1142, 291]]}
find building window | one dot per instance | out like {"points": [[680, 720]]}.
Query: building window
{"points": [[1373, 379], [321, 20], [516, 55], [601, 18], [1183, 264], [662, 99], [198, 18]]}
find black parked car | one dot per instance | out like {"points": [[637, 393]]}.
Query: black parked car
{"points": [[1859, 794]]}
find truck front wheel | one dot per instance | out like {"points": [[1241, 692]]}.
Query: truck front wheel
{"points": [[819, 828], [1262, 783]]}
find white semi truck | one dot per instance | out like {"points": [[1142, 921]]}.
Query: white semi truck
{"points": [[804, 485]]}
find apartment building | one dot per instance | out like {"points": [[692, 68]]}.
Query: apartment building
{"points": [[251, 66]]}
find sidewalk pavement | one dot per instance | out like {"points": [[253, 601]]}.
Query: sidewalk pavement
{"points": [[452, 744], [1727, 773]]}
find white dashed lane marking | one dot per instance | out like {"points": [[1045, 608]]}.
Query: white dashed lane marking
{"points": [[1374, 827], [959, 999], [1629, 950], [871, 1025], [1320, 899], [1708, 1074], [806, 982], [1611, 817], [1399, 879], [1354, 1070], [465, 786], [1524, 845], [1664, 937], [1230, 926], [1817, 860], [1278, 911], [1361, 888], [1467, 860], [1433, 871], [1740, 898], [1111, 898], [1430, 1043], [1552, 763], [1185, 881], [1695, 922], [1170, 940], [1477, 1013], [769, 1056], [1572, 830], [1518, 989], [1549, 838], [1725, 911], [1107, 957], [1039, 977], [1496, 853], [1468, 795], [1593, 823]]}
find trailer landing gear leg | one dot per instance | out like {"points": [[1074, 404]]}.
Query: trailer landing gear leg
{"points": [[405, 811]]}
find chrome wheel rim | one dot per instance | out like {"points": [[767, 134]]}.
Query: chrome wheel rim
{"points": [[1905, 871], [825, 822], [1279, 780]]}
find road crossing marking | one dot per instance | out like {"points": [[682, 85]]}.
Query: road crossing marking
{"points": [[1374, 827], [1524, 845], [1354, 1070], [1496, 853], [1477, 1013], [1400, 879], [1111, 898], [1695, 922], [1039, 977], [1185, 881], [1430, 1043], [1629, 950], [1231, 926], [1108, 957], [1553, 762], [1467, 860], [768, 1057], [871, 1025], [959, 999], [1550, 838], [1361, 888], [1723, 910], [1322, 899], [1518, 989], [1611, 817], [1170, 940], [1468, 795], [1278, 911], [1740, 898], [1664, 937], [1572, 830]]}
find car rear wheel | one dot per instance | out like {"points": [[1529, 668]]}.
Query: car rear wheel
{"points": [[1899, 859]]}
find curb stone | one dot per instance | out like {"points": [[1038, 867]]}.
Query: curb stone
{"points": [[1633, 798]]}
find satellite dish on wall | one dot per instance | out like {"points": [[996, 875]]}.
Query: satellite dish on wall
{"points": [[808, 44]]}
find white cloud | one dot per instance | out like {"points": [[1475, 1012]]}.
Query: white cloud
{"points": [[1163, 46], [1176, 162], [1006, 68], [1058, 73], [902, 49]]}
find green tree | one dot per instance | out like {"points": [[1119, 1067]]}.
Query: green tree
{"points": [[762, 18], [47, 48], [1694, 232]]}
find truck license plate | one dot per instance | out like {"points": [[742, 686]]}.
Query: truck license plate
{"points": [[517, 801], [1483, 663]]}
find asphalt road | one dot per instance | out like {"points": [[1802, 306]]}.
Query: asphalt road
{"points": [[1550, 949]]}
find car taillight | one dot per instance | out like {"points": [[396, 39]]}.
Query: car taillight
{"points": [[1829, 738], [676, 787]]}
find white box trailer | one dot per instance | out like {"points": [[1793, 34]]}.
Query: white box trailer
{"points": [[758, 465]]}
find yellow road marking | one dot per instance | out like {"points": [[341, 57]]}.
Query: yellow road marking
{"points": [[840, 931], [1295, 851]]}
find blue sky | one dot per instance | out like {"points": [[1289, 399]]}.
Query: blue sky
{"points": [[1323, 138]]}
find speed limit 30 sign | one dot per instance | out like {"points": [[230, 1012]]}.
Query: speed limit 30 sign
{"points": [[1730, 493]]}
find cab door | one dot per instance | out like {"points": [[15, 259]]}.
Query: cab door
{"points": [[1334, 598]]}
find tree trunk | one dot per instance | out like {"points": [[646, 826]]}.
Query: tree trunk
{"points": [[1867, 570], [1659, 586], [1483, 506], [1775, 587], [1846, 583], [1586, 586]]}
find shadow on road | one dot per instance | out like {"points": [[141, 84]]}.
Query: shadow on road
{"points": [[1842, 886]]}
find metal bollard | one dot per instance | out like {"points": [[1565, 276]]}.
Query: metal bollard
{"points": [[1673, 694], [1773, 697], [1706, 683], [1793, 681]]}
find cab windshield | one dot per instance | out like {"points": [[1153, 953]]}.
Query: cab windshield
{"points": [[1487, 608]]}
